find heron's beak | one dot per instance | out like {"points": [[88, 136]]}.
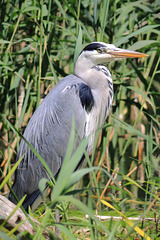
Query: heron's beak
{"points": [[122, 53]]}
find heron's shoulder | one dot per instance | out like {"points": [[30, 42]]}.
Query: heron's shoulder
{"points": [[80, 89], [66, 82], [70, 80], [70, 90]]}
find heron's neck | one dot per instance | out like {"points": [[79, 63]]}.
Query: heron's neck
{"points": [[99, 79], [96, 77]]}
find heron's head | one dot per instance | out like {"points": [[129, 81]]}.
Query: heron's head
{"points": [[100, 53]]}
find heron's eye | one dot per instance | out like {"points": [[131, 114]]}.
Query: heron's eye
{"points": [[99, 50]]}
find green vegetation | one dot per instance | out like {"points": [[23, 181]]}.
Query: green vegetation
{"points": [[39, 42]]}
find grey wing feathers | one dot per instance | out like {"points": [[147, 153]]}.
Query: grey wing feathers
{"points": [[49, 131]]}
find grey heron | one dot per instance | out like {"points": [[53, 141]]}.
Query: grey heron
{"points": [[88, 95]]}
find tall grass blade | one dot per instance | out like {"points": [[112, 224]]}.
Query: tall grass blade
{"points": [[103, 17], [130, 223], [137, 32]]}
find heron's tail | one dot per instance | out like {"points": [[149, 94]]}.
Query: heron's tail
{"points": [[19, 193], [33, 200]]}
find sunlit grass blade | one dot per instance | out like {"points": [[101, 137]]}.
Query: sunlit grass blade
{"points": [[40, 42], [141, 44], [78, 47], [137, 32], [130, 223], [77, 175], [103, 17], [68, 166], [9, 175]]}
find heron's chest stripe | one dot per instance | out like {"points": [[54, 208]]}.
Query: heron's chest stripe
{"points": [[86, 97]]}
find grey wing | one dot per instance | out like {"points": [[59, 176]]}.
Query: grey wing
{"points": [[49, 131]]}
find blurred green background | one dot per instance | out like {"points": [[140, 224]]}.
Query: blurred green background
{"points": [[39, 43]]}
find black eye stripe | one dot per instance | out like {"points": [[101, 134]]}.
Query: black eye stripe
{"points": [[93, 46]]}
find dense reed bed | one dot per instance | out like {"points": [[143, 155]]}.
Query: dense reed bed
{"points": [[39, 43]]}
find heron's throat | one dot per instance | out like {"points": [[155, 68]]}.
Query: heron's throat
{"points": [[95, 76]]}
